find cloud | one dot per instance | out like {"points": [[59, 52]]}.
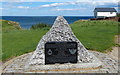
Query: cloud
{"points": [[78, 2], [52, 5], [13, 5], [97, 1], [23, 0], [59, 0], [59, 4], [23, 7], [68, 9], [1, 8], [36, 0]]}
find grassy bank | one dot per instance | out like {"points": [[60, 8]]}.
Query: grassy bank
{"points": [[95, 35], [9, 25], [16, 41]]}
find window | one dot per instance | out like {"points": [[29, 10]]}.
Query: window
{"points": [[111, 12]]}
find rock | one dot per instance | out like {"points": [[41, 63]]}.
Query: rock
{"points": [[60, 31]]}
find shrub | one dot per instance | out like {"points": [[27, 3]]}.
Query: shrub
{"points": [[118, 15], [39, 26]]}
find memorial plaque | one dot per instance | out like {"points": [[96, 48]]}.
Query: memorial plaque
{"points": [[60, 52]]}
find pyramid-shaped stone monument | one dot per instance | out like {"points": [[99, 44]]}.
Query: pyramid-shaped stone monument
{"points": [[60, 31]]}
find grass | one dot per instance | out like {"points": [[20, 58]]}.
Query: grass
{"points": [[0, 47], [96, 35], [18, 42], [9, 25]]}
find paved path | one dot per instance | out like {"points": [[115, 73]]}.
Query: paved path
{"points": [[109, 65]]}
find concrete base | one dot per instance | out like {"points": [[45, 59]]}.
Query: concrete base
{"points": [[17, 65], [65, 67]]}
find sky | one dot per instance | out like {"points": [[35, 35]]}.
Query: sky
{"points": [[53, 7]]}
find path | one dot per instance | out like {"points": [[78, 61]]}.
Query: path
{"points": [[17, 64]]}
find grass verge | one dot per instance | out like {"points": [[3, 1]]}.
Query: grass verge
{"points": [[96, 35]]}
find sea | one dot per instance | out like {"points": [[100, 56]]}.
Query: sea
{"points": [[27, 21]]}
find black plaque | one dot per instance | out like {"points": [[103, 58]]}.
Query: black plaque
{"points": [[60, 52]]}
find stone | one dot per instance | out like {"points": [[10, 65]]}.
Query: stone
{"points": [[60, 31]]}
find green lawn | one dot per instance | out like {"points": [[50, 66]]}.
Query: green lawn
{"points": [[0, 41], [18, 42], [95, 35]]}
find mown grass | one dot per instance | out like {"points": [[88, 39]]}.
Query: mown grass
{"points": [[0, 46], [18, 42], [96, 35]]}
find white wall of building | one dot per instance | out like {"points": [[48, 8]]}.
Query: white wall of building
{"points": [[106, 14]]}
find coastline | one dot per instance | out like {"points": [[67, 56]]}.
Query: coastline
{"points": [[27, 21]]}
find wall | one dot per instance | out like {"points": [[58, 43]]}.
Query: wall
{"points": [[107, 18], [106, 14]]}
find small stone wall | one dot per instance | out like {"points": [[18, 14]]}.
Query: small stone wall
{"points": [[107, 18]]}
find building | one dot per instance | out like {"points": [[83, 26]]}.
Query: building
{"points": [[104, 12]]}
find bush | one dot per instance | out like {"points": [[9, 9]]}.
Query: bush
{"points": [[118, 15], [39, 26]]}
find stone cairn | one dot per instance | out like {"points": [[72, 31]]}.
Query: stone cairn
{"points": [[60, 31]]}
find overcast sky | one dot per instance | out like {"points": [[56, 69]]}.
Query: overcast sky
{"points": [[53, 7]]}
